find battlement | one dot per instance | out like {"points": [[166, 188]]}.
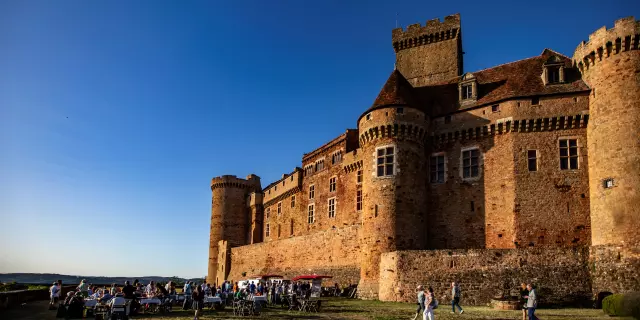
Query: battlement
{"points": [[433, 31], [230, 181], [624, 36]]}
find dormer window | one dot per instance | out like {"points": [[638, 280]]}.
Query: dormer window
{"points": [[553, 71], [468, 88]]}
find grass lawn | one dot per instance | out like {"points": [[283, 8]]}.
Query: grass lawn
{"points": [[340, 308]]}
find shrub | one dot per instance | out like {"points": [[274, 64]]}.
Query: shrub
{"points": [[627, 304]]}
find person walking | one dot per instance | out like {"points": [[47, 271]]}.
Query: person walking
{"points": [[198, 301], [523, 299], [420, 303], [429, 303], [455, 295], [54, 296], [532, 302]]}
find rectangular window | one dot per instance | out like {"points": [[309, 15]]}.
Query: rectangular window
{"points": [[535, 101], [473, 206], [495, 108], [332, 184], [332, 208], [266, 229], [312, 192], [278, 231], [400, 110], [311, 217], [437, 169], [375, 210], [368, 116], [553, 74], [385, 161], [470, 163], [336, 157], [279, 207], [532, 160], [359, 199], [291, 226], [293, 201], [467, 92], [268, 212], [568, 154], [447, 119], [359, 177]]}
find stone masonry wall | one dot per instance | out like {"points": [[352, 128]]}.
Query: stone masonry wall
{"points": [[334, 252], [561, 274], [615, 268]]}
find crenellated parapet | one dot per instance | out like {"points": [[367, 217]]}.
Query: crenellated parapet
{"points": [[563, 122], [434, 31], [399, 130], [230, 181], [604, 43], [353, 167]]}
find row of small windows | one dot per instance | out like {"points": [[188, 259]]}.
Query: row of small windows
{"points": [[336, 158], [568, 154]]}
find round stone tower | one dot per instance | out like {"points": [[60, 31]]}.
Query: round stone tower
{"points": [[610, 65], [230, 221], [391, 137]]}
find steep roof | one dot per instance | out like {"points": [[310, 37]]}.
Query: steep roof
{"points": [[511, 80]]}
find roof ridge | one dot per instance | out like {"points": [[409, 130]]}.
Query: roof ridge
{"points": [[556, 52]]}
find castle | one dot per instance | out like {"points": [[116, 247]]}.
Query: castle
{"points": [[529, 170]]}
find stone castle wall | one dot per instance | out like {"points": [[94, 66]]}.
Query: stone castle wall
{"points": [[561, 274], [332, 252]]}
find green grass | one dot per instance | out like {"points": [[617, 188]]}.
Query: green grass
{"points": [[340, 308]]}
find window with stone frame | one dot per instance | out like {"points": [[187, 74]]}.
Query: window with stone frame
{"points": [[332, 207], [359, 199], [359, 177], [311, 218], [437, 168], [293, 201], [467, 91], [532, 160], [336, 157], [553, 74], [319, 165], [568, 154], [312, 192], [385, 161], [332, 184], [267, 225], [279, 207], [470, 163], [266, 229]]}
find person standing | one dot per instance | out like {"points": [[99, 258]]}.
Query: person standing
{"points": [[54, 295], [455, 294], [421, 299], [523, 299], [198, 301], [532, 302], [83, 287], [429, 301]]}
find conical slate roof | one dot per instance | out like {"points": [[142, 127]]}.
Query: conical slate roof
{"points": [[396, 91]]}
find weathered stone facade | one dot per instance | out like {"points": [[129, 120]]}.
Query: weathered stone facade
{"points": [[453, 176]]}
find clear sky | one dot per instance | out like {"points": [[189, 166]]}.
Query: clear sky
{"points": [[115, 115]]}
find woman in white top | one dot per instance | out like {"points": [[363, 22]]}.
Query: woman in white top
{"points": [[54, 294], [429, 300]]}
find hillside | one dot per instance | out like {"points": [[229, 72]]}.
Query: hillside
{"points": [[46, 278]]}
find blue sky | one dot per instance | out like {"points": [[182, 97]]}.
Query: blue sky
{"points": [[115, 115]]}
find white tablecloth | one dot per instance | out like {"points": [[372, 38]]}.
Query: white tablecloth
{"points": [[150, 301], [259, 298], [212, 300]]}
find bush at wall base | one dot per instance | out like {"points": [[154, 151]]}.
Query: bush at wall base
{"points": [[627, 304]]}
